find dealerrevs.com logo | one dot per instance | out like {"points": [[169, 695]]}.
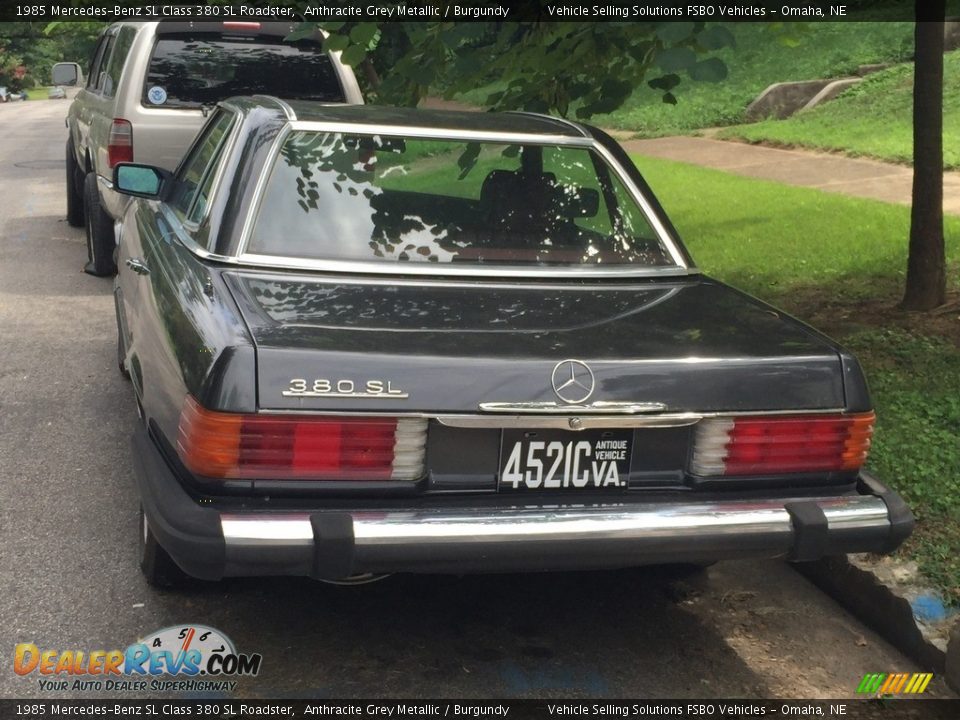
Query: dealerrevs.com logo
{"points": [[203, 655]]}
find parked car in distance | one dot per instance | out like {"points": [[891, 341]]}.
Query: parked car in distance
{"points": [[148, 89], [370, 340]]}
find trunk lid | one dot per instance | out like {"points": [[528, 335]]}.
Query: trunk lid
{"points": [[691, 345]]}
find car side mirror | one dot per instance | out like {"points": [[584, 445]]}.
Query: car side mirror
{"points": [[143, 181], [66, 73]]}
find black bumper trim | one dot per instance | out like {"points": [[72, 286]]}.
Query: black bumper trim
{"points": [[333, 545], [901, 518], [811, 534], [189, 532]]}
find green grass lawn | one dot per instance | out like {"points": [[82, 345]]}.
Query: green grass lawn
{"points": [[38, 93], [839, 262], [758, 60], [873, 118]]}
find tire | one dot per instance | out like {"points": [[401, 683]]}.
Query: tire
{"points": [[155, 563], [100, 239], [74, 197]]}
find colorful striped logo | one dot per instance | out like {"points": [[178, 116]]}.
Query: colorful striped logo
{"points": [[894, 683]]}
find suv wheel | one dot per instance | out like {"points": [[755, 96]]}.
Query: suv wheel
{"points": [[100, 240], [156, 564], [74, 198]]}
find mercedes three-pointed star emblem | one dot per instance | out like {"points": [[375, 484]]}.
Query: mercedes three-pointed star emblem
{"points": [[573, 381]]}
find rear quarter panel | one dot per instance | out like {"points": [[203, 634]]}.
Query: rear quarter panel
{"points": [[186, 334]]}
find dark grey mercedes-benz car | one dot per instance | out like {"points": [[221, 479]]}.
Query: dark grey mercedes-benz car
{"points": [[366, 340]]}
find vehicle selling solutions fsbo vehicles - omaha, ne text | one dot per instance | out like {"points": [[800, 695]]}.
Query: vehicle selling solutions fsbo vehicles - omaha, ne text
{"points": [[149, 87], [366, 340]]}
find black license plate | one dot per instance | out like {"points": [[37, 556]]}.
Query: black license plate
{"points": [[568, 461]]}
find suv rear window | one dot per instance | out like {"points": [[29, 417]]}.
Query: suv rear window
{"points": [[190, 70]]}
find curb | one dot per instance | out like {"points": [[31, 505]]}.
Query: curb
{"points": [[890, 615]]}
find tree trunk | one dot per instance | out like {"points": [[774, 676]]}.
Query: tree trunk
{"points": [[926, 286]]}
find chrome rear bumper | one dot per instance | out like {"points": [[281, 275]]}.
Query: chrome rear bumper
{"points": [[210, 542], [335, 544]]}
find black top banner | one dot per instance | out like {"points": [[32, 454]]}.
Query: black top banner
{"points": [[874, 709], [477, 10]]}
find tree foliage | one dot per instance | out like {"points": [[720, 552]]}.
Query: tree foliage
{"points": [[32, 48], [578, 69]]}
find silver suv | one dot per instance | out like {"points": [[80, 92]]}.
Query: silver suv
{"points": [[149, 87]]}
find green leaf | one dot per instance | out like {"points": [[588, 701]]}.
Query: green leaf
{"points": [[665, 82], [336, 42], [669, 98], [716, 37], [363, 33], [332, 26], [675, 59], [674, 32], [302, 31], [354, 55], [709, 70]]}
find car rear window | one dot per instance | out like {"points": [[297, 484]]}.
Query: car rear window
{"points": [[376, 198], [191, 70]]}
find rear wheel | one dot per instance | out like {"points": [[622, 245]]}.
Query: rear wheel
{"points": [[100, 240], [74, 197], [156, 564]]}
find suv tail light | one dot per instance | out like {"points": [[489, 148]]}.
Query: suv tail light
{"points": [[300, 447], [771, 445], [120, 142]]}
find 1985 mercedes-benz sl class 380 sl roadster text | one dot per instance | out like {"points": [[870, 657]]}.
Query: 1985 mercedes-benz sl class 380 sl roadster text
{"points": [[367, 340]]}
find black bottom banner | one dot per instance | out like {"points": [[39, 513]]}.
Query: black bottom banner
{"points": [[393, 710]]}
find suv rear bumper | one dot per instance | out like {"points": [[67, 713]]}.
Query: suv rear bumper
{"points": [[328, 544]]}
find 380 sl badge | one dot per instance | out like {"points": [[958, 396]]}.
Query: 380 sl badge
{"points": [[344, 388]]}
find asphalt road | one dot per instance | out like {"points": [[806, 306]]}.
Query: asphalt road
{"points": [[68, 524]]}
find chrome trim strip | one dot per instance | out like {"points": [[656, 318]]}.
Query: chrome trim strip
{"points": [[528, 420], [563, 121], [442, 133], [568, 422], [269, 274], [452, 528], [243, 257], [594, 408], [385, 268]]}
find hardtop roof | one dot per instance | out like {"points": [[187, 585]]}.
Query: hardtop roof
{"points": [[454, 120]]}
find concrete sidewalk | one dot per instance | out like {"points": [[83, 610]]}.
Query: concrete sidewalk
{"points": [[825, 171]]}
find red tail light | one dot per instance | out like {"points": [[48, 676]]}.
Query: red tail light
{"points": [[120, 142], [771, 445], [301, 447], [240, 25]]}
